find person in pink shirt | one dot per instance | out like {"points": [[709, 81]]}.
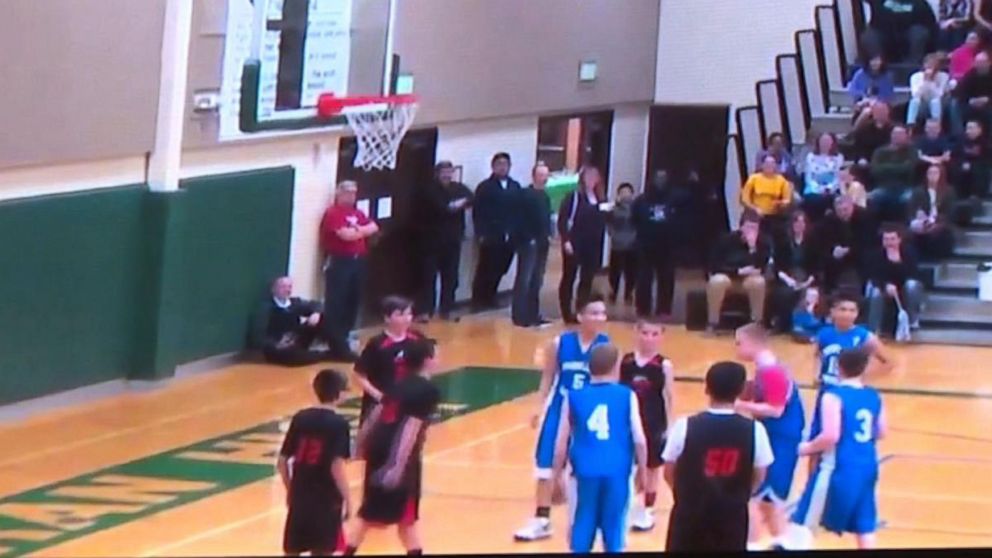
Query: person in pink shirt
{"points": [[963, 57]]}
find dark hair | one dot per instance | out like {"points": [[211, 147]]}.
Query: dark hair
{"points": [[725, 381], [394, 303], [417, 353], [750, 216], [583, 302], [833, 147], [818, 310], [775, 135], [328, 385], [977, 123], [500, 155], [890, 228], [845, 295], [602, 359], [795, 216], [441, 165], [853, 362], [625, 186]]}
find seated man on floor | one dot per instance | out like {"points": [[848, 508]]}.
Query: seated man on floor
{"points": [[740, 259], [285, 327]]}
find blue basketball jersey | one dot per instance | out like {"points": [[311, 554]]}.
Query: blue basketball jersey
{"points": [[831, 343], [860, 409], [602, 438], [573, 362], [790, 425]]}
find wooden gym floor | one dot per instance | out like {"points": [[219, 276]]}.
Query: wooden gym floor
{"points": [[186, 469]]}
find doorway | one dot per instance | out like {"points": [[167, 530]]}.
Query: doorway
{"points": [[392, 261], [566, 143]]}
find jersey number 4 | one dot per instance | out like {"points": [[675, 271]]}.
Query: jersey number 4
{"points": [[599, 422]]}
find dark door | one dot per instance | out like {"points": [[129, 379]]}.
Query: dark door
{"points": [[689, 141], [393, 261]]}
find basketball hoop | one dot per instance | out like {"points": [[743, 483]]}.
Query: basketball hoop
{"points": [[379, 124]]}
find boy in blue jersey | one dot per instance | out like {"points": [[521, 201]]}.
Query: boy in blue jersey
{"points": [[602, 437], [777, 405], [566, 368], [840, 493], [842, 334]]}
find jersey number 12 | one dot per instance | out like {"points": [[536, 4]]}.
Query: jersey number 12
{"points": [[599, 422]]}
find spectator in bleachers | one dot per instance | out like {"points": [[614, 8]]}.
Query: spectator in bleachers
{"points": [[740, 259], [581, 226], [893, 273], [872, 83], [769, 194], [927, 88], [623, 237], [797, 266], [900, 30], [935, 148], [493, 216], [955, 18], [657, 224], [872, 130], [778, 149], [809, 316], [843, 238], [971, 162], [962, 59], [983, 16], [852, 187], [822, 176], [931, 214], [894, 169], [973, 95], [288, 329]]}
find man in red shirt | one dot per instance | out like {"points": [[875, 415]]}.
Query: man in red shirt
{"points": [[343, 231]]}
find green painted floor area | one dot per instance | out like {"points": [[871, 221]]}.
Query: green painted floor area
{"points": [[52, 514]]}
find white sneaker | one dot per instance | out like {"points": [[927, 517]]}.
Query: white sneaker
{"points": [[538, 528], [643, 519]]}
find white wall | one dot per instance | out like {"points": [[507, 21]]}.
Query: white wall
{"points": [[713, 51], [471, 145], [629, 149], [70, 177]]}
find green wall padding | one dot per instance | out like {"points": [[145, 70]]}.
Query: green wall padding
{"points": [[236, 241], [71, 290], [126, 283]]}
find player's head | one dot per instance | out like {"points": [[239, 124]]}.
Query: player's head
{"points": [[591, 312], [328, 385], [650, 331], [397, 312], [844, 309], [750, 339], [604, 361], [725, 382], [420, 356], [853, 362]]}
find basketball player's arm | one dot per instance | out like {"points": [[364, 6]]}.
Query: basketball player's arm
{"points": [[830, 408], [776, 393], [361, 372], [880, 353], [409, 434], [673, 449], [667, 393], [367, 387], [640, 442], [548, 371], [561, 440], [285, 452], [363, 432], [763, 456], [883, 424], [339, 469]]}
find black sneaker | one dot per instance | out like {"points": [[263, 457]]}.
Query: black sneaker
{"points": [[541, 323]]}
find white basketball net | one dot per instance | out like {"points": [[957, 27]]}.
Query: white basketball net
{"points": [[378, 132]]}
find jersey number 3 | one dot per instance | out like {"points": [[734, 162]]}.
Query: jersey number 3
{"points": [[866, 423], [599, 422]]}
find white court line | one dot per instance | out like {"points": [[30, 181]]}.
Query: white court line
{"points": [[165, 549], [475, 465], [130, 430]]}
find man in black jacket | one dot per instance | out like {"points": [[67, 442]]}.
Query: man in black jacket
{"points": [[741, 258], [653, 216], [285, 327], [900, 30], [532, 238], [442, 222], [492, 216], [973, 96], [843, 237]]}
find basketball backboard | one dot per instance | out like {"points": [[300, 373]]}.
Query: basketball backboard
{"points": [[281, 55]]}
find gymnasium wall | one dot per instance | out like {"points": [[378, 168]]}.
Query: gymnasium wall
{"points": [[120, 282], [80, 79], [710, 52]]}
